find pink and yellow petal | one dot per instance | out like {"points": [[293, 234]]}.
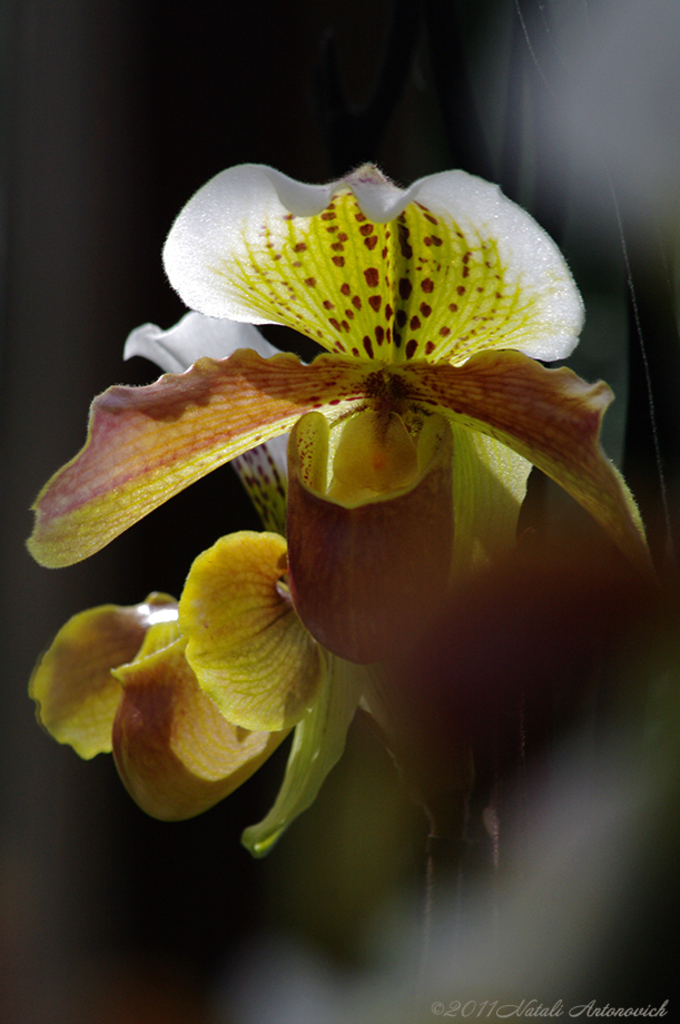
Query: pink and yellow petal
{"points": [[75, 693], [146, 444], [550, 417], [176, 754], [247, 646]]}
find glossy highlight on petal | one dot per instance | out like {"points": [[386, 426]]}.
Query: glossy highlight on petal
{"points": [[75, 693], [366, 575], [247, 646], [146, 444], [176, 754]]}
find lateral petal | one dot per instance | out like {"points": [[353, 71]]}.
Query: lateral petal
{"points": [[247, 646], [75, 693], [146, 444], [174, 751], [317, 747], [550, 417]]}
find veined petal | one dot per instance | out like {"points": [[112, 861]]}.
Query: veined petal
{"points": [[247, 646], [550, 417], [440, 271], [75, 693], [174, 751], [264, 473], [146, 444], [317, 746], [194, 336]]}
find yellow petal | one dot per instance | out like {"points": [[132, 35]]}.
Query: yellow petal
{"points": [[489, 486], [76, 695], [248, 648], [146, 444], [176, 754], [442, 270]]}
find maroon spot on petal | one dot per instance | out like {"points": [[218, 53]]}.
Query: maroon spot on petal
{"points": [[345, 288], [342, 237], [466, 257], [427, 285], [479, 288], [345, 326], [334, 323], [296, 263], [349, 313], [405, 287], [425, 309], [328, 216], [453, 307], [300, 247], [375, 302], [397, 338], [388, 335], [360, 217], [372, 277], [498, 295], [310, 282], [388, 312], [445, 331], [334, 401], [436, 241], [355, 351], [432, 220], [379, 334], [404, 244], [401, 317], [415, 323], [339, 261], [427, 240], [327, 304], [384, 253], [411, 348], [466, 271], [366, 229], [368, 346], [461, 289], [288, 216], [371, 241], [337, 247], [429, 348], [356, 302], [332, 228]]}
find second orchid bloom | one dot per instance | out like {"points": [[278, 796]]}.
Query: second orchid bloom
{"points": [[411, 440]]}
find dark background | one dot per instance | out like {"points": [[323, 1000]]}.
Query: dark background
{"points": [[113, 114]]}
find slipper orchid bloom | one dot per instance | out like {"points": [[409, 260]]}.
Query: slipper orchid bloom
{"points": [[411, 438]]}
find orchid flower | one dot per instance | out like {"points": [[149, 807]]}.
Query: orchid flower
{"points": [[411, 440]]}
